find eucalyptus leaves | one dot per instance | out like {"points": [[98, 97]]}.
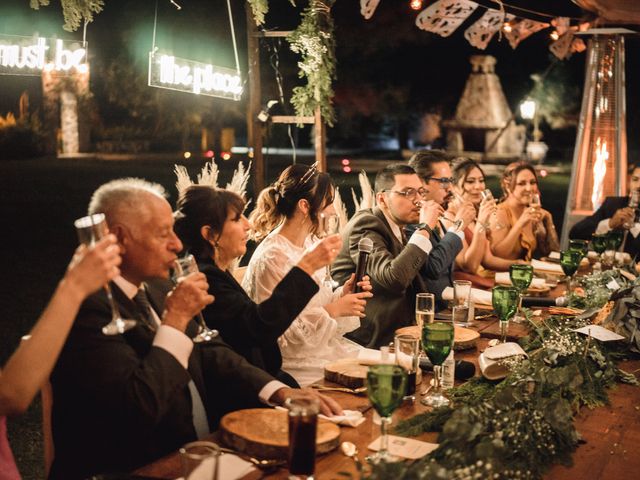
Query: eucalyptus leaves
{"points": [[519, 427]]}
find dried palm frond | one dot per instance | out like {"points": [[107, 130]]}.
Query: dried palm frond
{"points": [[240, 179], [209, 175], [368, 195], [341, 209], [183, 181]]}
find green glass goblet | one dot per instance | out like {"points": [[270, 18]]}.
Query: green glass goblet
{"points": [[505, 302], [521, 277], [581, 246], [437, 342], [570, 261], [386, 387]]}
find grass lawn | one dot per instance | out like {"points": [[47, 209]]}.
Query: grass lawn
{"points": [[40, 200]]}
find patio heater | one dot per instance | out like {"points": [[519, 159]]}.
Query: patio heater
{"points": [[600, 156]]}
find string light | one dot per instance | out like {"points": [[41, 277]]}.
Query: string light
{"points": [[507, 27], [415, 4], [554, 35]]}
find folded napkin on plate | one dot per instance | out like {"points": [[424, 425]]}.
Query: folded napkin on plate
{"points": [[546, 266], [231, 467], [502, 278], [349, 418], [479, 297], [369, 356], [489, 360]]}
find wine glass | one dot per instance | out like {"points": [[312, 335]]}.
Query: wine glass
{"points": [[329, 225], [181, 268], [437, 341], [570, 261], [386, 386], [91, 229], [599, 243], [505, 302], [581, 246], [521, 277]]}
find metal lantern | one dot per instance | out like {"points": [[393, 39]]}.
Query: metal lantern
{"points": [[600, 155]]}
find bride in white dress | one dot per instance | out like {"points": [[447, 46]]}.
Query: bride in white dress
{"points": [[316, 337]]}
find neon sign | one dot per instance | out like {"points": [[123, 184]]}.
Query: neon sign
{"points": [[31, 55], [173, 73]]}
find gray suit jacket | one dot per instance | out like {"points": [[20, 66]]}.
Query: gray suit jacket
{"points": [[394, 271]]}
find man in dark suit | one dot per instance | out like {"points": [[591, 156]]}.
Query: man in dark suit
{"points": [[433, 168], [121, 401], [614, 213], [394, 262]]}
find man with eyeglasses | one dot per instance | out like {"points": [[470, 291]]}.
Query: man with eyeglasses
{"points": [[395, 261], [447, 234], [615, 213]]}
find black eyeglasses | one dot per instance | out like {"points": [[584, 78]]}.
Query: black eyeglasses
{"points": [[409, 193], [444, 182]]}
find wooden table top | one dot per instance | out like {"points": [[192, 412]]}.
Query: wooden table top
{"points": [[611, 433]]}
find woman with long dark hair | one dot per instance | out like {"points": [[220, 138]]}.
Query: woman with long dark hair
{"points": [[286, 220], [212, 227]]}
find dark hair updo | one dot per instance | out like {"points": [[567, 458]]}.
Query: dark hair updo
{"points": [[201, 205], [279, 201]]}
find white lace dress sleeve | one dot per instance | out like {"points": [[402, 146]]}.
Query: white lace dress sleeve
{"points": [[314, 338]]}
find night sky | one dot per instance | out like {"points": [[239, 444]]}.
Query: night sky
{"points": [[380, 57]]}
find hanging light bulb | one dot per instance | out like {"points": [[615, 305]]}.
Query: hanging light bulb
{"points": [[554, 35], [415, 4], [507, 27]]}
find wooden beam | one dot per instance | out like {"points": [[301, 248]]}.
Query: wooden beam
{"points": [[254, 127], [319, 141], [292, 119], [273, 34]]}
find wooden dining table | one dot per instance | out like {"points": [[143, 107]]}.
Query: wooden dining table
{"points": [[611, 433]]}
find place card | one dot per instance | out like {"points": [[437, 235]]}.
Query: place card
{"points": [[599, 333], [613, 285], [405, 447]]}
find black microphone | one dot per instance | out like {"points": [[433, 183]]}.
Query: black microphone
{"points": [[365, 246], [464, 370], [544, 302]]}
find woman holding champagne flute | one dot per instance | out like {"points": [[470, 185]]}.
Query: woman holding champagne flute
{"points": [[30, 366], [212, 227], [287, 221], [527, 229]]}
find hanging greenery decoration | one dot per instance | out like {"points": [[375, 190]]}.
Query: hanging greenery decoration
{"points": [[76, 12], [519, 427], [260, 8], [314, 41]]}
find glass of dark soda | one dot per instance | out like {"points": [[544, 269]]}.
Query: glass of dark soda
{"points": [[303, 423]]}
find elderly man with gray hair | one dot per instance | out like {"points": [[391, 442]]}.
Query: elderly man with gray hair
{"points": [[124, 400]]}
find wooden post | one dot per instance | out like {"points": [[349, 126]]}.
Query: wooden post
{"points": [[254, 127], [319, 141]]}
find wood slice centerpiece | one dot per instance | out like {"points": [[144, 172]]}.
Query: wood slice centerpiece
{"points": [[264, 433], [347, 371], [464, 338]]}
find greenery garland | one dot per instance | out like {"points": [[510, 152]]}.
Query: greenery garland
{"points": [[75, 12], [314, 41], [520, 426]]}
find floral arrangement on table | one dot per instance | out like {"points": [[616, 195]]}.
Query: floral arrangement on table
{"points": [[519, 427]]}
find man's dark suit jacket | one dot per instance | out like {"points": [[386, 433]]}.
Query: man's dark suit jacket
{"points": [[393, 269], [587, 226], [437, 271], [119, 402], [253, 329]]}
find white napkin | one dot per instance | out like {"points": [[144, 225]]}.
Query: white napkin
{"points": [[480, 297], [503, 278], [231, 467], [488, 361], [349, 418], [546, 266]]}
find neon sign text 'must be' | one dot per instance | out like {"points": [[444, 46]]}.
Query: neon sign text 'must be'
{"points": [[31, 55]]}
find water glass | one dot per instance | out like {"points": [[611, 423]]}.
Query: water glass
{"points": [[407, 350], [303, 425], [200, 460], [462, 300]]}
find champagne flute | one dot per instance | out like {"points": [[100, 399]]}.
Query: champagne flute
{"points": [[330, 224], [91, 229], [634, 201], [386, 386], [181, 268], [536, 204], [487, 196], [437, 341], [505, 302], [521, 277], [570, 261], [425, 311]]}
